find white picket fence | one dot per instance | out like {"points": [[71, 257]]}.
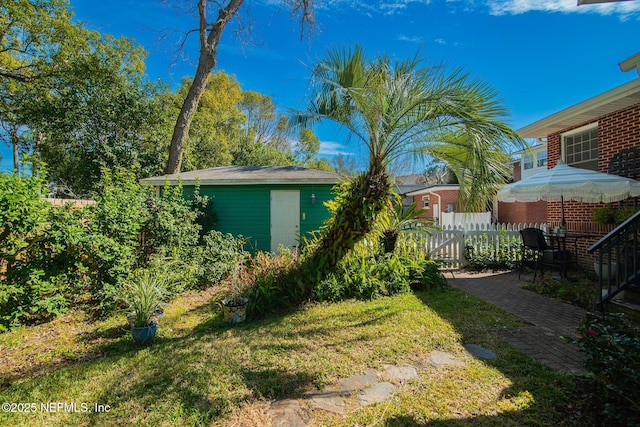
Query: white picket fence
{"points": [[448, 245], [465, 219]]}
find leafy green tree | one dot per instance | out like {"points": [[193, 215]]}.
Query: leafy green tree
{"points": [[308, 145], [97, 113], [216, 128], [37, 37], [264, 124], [253, 153], [399, 108], [81, 97]]}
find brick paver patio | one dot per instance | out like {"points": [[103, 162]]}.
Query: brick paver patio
{"points": [[549, 320]]}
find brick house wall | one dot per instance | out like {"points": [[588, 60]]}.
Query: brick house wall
{"points": [[521, 212], [447, 197], [616, 131], [517, 170]]}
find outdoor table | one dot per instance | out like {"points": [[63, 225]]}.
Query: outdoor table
{"points": [[560, 242]]}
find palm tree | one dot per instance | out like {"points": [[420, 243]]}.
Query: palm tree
{"points": [[400, 108]]}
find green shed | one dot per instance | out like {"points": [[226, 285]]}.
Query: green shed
{"points": [[270, 205]]}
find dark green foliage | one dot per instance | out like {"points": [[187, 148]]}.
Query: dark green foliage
{"points": [[276, 283], [366, 276], [613, 215], [56, 257], [582, 293], [489, 255], [612, 347]]}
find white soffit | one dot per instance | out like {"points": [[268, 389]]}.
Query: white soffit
{"points": [[630, 63], [587, 111]]}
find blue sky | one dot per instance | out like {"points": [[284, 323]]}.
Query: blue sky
{"points": [[540, 55]]}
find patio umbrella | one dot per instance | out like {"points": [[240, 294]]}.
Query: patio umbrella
{"points": [[564, 182]]}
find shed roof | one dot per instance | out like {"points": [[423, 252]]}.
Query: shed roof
{"points": [[608, 102], [246, 175]]}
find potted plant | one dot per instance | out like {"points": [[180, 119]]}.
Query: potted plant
{"points": [[144, 293], [234, 306]]}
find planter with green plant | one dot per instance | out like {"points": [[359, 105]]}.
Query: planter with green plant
{"points": [[613, 214], [234, 306], [144, 293]]}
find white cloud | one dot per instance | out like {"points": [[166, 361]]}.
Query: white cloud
{"points": [[411, 39], [624, 9], [331, 148]]}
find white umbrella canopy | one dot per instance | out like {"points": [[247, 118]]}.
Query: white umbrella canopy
{"points": [[564, 182]]}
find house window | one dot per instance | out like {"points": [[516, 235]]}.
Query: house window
{"points": [[542, 159], [450, 207], [527, 162], [581, 148], [425, 201]]}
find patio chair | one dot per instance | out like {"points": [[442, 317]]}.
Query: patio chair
{"points": [[545, 255]]}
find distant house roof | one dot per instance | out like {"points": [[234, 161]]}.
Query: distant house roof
{"points": [[245, 175], [608, 102], [408, 188], [433, 188]]}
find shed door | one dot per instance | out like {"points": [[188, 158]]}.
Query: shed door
{"points": [[285, 218]]}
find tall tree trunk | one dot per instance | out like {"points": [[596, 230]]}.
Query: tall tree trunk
{"points": [[16, 154], [208, 53], [367, 196], [36, 153]]}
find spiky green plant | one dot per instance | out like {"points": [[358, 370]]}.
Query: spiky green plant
{"points": [[144, 292], [400, 108]]}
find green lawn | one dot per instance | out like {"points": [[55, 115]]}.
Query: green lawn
{"points": [[200, 371]]}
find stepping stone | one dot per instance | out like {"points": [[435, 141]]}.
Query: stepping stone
{"points": [[480, 352], [400, 373], [328, 399], [286, 413], [442, 358], [347, 386], [377, 393]]}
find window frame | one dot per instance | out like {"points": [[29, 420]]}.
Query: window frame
{"points": [[581, 163]]}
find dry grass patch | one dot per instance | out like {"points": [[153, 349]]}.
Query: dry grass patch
{"points": [[201, 371]]}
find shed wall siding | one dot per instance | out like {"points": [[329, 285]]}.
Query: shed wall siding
{"points": [[245, 210]]}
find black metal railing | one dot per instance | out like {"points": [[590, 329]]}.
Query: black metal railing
{"points": [[617, 261]]}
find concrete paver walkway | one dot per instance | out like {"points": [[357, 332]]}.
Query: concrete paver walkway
{"points": [[550, 320]]}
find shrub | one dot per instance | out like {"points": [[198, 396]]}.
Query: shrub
{"points": [[489, 255], [55, 257], [612, 347], [582, 293], [367, 273], [277, 282]]}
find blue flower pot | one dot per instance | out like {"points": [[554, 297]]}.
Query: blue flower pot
{"points": [[144, 334]]}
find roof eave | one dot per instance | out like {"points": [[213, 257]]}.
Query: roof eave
{"points": [[587, 111], [433, 189], [203, 182]]}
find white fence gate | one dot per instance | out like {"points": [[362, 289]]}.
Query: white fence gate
{"points": [[448, 245]]}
